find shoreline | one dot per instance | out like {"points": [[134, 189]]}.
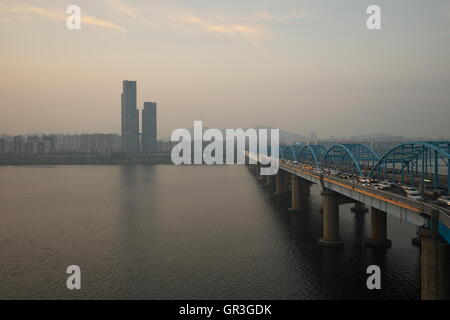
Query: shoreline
{"points": [[86, 160]]}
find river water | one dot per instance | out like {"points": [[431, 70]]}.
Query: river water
{"points": [[187, 232]]}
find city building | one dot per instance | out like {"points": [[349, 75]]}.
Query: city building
{"points": [[18, 145], [149, 142], [96, 143], [130, 118], [165, 146], [57, 144]]}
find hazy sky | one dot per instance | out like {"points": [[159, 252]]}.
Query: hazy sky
{"points": [[298, 65]]}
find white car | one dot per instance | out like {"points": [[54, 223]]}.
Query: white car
{"points": [[383, 186], [414, 195], [445, 200]]}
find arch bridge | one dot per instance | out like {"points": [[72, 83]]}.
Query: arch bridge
{"points": [[419, 164], [423, 164]]}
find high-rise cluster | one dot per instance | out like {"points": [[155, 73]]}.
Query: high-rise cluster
{"points": [[131, 143]]}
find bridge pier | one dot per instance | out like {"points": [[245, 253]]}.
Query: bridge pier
{"points": [[330, 219], [359, 208], [299, 191], [279, 183], [415, 241], [378, 227], [269, 181], [259, 177], [257, 169], [287, 182], [435, 265]]}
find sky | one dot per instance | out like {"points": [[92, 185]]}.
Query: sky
{"points": [[301, 66]]}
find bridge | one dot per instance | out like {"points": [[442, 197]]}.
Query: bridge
{"points": [[351, 173]]}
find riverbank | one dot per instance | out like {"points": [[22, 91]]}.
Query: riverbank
{"points": [[158, 158]]}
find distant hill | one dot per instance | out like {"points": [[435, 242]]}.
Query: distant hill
{"points": [[285, 136], [381, 136]]}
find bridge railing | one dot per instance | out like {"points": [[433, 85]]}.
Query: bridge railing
{"points": [[418, 161]]}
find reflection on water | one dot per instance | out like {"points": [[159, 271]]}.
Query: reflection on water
{"points": [[191, 232]]}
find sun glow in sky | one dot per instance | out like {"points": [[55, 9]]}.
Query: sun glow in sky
{"points": [[297, 65]]}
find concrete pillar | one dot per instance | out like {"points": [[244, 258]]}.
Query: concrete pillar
{"points": [[257, 169], [260, 177], [278, 183], [269, 180], [378, 227], [415, 241], [359, 208], [330, 219], [299, 193], [306, 187], [287, 182], [435, 273]]}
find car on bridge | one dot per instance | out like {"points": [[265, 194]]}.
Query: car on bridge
{"points": [[408, 188], [389, 182], [382, 186], [411, 191], [444, 200], [414, 195]]}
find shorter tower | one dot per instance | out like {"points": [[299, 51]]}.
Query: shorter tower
{"points": [[149, 144]]}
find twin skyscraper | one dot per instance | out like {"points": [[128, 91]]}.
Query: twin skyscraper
{"points": [[131, 142]]}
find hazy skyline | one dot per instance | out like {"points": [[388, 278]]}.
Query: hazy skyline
{"points": [[300, 66]]}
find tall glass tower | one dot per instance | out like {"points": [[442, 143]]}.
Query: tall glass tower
{"points": [[130, 118]]}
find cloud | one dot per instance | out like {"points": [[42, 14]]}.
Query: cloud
{"points": [[162, 15], [25, 11], [228, 29], [177, 17], [266, 16], [126, 11], [249, 26], [100, 23]]}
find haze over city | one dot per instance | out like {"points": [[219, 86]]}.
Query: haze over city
{"points": [[225, 155], [300, 66]]}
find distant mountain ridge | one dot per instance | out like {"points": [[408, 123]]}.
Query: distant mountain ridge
{"points": [[286, 137]]}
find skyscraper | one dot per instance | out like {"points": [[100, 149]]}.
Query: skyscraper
{"points": [[149, 144], [130, 118]]}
